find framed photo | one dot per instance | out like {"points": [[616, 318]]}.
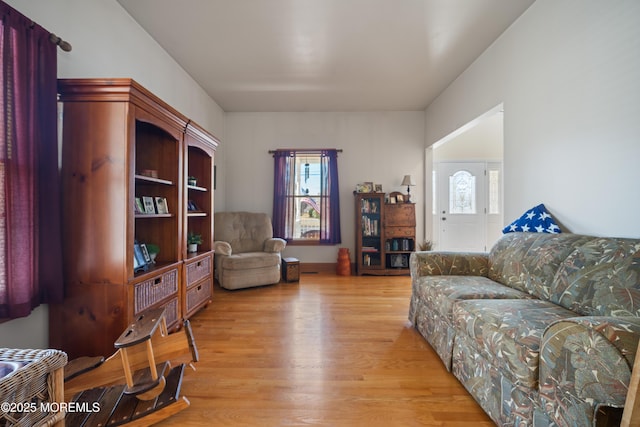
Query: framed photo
{"points": [[400, 198], [145, 253], [392, 200], [399, 261], [161, 205], [191, 206], [139, 261], [139, 206], [364, 187], [149, 206], [378, 188]]}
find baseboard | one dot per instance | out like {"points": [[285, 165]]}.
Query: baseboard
{"points": [[320, 267]]}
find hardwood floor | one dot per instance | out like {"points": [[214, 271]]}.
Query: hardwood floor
{"points": [[330, 351]]}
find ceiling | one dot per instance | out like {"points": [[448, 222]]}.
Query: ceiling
{"points": [[324, 55]]}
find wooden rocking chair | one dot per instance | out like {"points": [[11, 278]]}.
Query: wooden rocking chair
{"points": [[137, 385]]}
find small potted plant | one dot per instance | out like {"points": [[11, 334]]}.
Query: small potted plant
{"points": [[153, 251], [193, 240], [191, 180]]}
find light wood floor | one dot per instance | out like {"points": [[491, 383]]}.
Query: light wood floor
{"points": [[328, 351]]}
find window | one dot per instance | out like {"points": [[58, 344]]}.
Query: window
{"points": [[462, 193], [306, 206]]}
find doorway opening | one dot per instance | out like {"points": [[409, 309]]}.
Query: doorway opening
{"points": [[467, 202]]}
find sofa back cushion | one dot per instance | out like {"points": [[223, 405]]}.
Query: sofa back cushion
{"points": [[600, 277], [529, 261], [244, 231]]}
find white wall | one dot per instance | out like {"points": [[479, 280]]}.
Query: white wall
{"points": [[380, 147], [481, 142], [567, 73], [108, 43]]}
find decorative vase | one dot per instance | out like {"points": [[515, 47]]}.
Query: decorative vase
{"points": [[192, 247], [343, 267]]}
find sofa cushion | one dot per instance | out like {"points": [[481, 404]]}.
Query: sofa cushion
{"points": [[600, 277], [509, 331], [249, 260], [441, 292], [529, 261]]}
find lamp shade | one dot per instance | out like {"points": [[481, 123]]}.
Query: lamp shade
{"points": [[407, 180]]}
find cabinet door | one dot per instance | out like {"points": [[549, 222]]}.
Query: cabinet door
{"points": [[369, 224]]}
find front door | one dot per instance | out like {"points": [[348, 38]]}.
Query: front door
{"points": [[461, 210]]}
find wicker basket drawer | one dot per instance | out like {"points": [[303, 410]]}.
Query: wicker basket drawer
{"points": [[154, 290], [171, 312], [198, 270], [198, 295]]}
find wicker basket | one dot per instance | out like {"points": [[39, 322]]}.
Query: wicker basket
{"points": [[37, 381]]}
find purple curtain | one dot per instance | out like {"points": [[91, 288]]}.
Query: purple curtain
{"points": [[284, 197], [282, 191], [330, 210], [30, 240]]}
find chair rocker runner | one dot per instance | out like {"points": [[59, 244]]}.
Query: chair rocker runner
{"points": [[151, 388]]}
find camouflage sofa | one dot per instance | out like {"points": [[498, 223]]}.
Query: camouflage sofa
{"points": [[541, 331]]}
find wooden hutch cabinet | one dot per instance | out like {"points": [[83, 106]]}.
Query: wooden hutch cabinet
{"points": [[123, 145], [385, 235]]}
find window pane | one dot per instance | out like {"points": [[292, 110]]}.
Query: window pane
{"points": [[494, 191], [308, 181], [462, 193]]}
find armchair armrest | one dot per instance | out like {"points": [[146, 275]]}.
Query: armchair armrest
{"points": [[222, 248], [274, 245], [585, 366], [448, 263]]}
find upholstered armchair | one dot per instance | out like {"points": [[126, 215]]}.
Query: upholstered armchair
{"points": [[246, 253]]}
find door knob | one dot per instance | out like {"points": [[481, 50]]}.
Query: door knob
{"points": [[444, 218]]}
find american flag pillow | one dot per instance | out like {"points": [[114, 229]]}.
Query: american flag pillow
{"points": [[535, 220]]}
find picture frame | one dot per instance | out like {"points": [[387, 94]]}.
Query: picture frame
{"points": [[149, 206], [399, 261], [191, 206], [378, 188], [139, 261], [139, 206], [145, 253], [400, 198], [392, 200], [161, 205], [364, 187]]}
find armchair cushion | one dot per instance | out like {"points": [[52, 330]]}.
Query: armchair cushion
{"points": [[244, 231], [249, 260]]}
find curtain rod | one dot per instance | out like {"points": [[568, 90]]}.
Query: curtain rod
{"points": [[305, 150], [64, 45]]}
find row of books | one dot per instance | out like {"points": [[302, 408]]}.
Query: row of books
{"points": [[370, 226], [370, 206], [399, 245]]}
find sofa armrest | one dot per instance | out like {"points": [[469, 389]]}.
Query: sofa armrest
{"points": [[585, 365], [222, 248], [274, 245], [448, 263]]}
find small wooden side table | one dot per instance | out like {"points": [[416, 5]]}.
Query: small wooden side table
{"points": [[290, 270]]}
